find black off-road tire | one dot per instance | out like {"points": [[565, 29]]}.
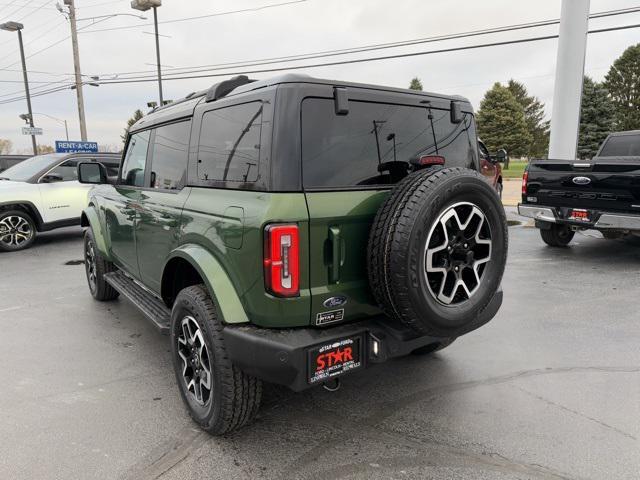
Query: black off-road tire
{"points": [[99, 288], [396, 258], [235, 396], [26, 222], [557, 235], [433, 347]]}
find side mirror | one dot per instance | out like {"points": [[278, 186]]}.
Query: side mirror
{"points": [[51, 178], [501, 155], [92, 173]]}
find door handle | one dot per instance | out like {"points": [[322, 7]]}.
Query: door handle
{"points": [[337, 254]]}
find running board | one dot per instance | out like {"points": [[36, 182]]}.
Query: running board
{"points": [[152, 307]]}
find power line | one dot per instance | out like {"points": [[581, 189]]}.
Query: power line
{"points": [[344, 62]]}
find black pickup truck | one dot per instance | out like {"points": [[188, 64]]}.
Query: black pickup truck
{"points": [[564, 196]]}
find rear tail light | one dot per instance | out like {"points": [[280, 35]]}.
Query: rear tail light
{"points": [[282, 260], [431, 160], [525, 180]]}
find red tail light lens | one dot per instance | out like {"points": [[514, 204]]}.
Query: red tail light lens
{"points": [[431, 160], [282, 260], [525, 180]]}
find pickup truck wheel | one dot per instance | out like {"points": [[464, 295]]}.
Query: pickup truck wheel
{"points": [[437, 251], [557, 235], [433, 347], [219, 396], [96, 267], [17, 230]]}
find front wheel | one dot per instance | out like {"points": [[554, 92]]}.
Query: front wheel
{"points": [[96, 267], [557, 235], [219, 396], [17, 230]]}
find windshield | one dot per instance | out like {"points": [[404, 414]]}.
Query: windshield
{"points": [[26, 169]]}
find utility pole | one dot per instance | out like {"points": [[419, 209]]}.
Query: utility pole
{"points": [[143, 6], [76, 66], [567, 91], [17, 27]]}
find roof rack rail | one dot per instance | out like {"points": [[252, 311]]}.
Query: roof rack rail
{"points": [[225, 87]]}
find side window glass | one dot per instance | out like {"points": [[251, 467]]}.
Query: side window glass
{"points": [[229, 147], [135, 159], [169, 156], [65, 172], [484, 153]]}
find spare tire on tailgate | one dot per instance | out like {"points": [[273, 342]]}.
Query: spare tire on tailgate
{"points": [[437, 251]]}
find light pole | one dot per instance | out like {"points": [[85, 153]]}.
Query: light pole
{"points": [[143, 6], [17, 27], [25, 117]]}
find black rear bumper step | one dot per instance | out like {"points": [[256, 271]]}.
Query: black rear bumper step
{"points": [[152, 307], [282, 355]]}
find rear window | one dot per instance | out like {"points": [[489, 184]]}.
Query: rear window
{"points": [[622, 146], [374, 143]]}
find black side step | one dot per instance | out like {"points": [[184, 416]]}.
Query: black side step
{"points": [[152, 307]]}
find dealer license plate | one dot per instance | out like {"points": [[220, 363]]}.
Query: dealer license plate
{"points": [[334, 358], [579, 215]]}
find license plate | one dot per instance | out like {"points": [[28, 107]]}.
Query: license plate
{"points": [[579, 215], [334, 358]]}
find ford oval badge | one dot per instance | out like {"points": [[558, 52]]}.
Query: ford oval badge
{"points": [[581, 180], [335, 301]]}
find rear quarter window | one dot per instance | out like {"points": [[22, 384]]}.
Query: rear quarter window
{"points": [[374, 143]]}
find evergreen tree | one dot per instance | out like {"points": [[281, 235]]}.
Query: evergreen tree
{"points": [[137, 115], [623, 84], [501, 122], [534, 117], [415, 84], [597, 118]]}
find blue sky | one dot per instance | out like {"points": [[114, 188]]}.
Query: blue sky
{"points": [[309, 26]]}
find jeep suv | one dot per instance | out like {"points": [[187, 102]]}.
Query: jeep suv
{"points": [[296, 230]]}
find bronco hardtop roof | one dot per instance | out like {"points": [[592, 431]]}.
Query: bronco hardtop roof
{"points": [[242, 84]]}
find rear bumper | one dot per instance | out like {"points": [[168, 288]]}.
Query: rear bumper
{"points": [[601, 220], [282, 356]]}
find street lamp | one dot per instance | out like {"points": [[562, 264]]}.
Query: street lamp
{"points": [[17, 27], [25, 117], [143, 6]]}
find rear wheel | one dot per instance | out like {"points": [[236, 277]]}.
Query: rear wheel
{"points": [[219, 396], [17, 230], [437, 251], [557, 235]]}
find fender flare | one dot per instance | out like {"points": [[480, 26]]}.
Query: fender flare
{"points": [[216, 279], [89, 218]]}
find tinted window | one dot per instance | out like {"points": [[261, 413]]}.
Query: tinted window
{"points": [[622, 146], [65, 172], [375, 142], [484, 153], [111, 166], [230, 143], [135, 159], [169, 156]]}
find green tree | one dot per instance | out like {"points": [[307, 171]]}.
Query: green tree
{"points": [[623, 84], [534, 117], [597, 117], [415, 84], [6, 146], [137, 115], [501, 122]]}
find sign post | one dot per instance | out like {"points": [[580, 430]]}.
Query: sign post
{"points": [[31, 131], [65, 146]]}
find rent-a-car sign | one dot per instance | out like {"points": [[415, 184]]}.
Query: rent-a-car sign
{"points": [[65, 146]]}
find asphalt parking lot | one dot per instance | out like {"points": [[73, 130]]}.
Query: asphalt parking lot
{"points": [[549, 389]]}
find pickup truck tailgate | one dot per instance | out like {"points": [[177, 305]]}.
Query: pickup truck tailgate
{"points": [[611, 184]]}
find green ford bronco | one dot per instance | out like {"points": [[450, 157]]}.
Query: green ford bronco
{"points": [[296, 230]]}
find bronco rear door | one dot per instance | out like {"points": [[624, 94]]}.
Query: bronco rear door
{"points": [[351, 158]]}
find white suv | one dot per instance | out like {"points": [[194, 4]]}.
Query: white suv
{"points": [[43, 193]]}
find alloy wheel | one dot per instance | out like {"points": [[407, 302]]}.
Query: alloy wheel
{"points": [[90, 265], [456, 253], [15, 231], [196, 366]]}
